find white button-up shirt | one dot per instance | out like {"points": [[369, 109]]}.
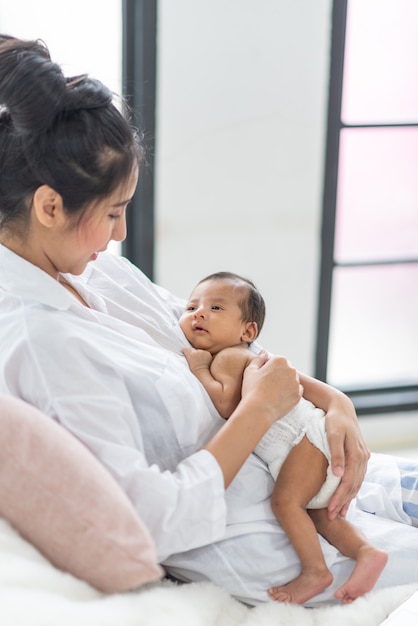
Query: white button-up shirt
{"points": [[101, 372]]}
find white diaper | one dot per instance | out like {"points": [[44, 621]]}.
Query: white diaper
{"points": [[304, 419]]}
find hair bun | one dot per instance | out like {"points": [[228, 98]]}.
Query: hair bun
{"points": [[32, 87], [63, 132], [83, 92]]}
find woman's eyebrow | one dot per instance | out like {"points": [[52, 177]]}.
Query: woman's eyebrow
{"points": [[122, 202]]}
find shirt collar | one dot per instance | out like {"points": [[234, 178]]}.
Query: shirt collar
{"points": [[22, 278]]}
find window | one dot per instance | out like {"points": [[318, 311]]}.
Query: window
{"points": [[368, 314], [139, 89]]}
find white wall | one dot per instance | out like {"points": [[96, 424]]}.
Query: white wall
{"points": [[83, 36], [242, 98], [241, 124]]}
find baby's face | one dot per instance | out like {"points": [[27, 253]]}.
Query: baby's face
{"points": [[212, 319]]}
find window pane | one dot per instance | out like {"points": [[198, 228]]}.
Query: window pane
{"points": [[374, 329], [377, 200], [381, 62]]}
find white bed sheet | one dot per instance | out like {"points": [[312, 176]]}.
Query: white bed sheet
{"points": [[34, 593]]}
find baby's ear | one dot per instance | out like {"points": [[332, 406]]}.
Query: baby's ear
{"points": [[250, 332]]}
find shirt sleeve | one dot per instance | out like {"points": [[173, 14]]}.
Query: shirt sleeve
{"points": [[183, 509], [184, 506]]}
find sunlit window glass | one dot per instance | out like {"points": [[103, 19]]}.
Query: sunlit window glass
{"points": [[374, 330], [381, 62], [377, 201]]}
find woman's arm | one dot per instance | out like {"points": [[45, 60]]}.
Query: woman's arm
{"points": [[270, 389], [349, 452]]}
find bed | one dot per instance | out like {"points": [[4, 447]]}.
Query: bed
{"points": [[71, 543], [35, 593]]}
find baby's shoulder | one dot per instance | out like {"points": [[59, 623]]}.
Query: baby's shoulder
{"points": [[237, 356]]}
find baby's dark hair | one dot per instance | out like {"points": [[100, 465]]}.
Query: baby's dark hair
{"points": [[60, 131], [252, 302]]}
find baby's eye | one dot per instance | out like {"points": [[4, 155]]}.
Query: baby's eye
{"points": [[216, 307], [191, 308]]}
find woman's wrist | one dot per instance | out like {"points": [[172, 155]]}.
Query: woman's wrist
{"points": [[340, 403], [257, 411], [235, 441], [326, 397]]}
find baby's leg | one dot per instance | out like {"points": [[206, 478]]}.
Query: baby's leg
{"points": [[301, 477], [347, 538]]}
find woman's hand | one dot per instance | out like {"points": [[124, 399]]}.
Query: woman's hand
{"points": [[349, 454], [271, 384], [270, 388]]}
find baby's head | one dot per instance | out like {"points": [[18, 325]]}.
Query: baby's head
{"points": [[224, 309], [244, 293]]}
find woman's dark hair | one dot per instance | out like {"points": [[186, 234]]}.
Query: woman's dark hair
{"points": [[57, 131], [252, 303]]}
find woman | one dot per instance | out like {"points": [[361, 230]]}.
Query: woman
{"points": [[90, 341]]}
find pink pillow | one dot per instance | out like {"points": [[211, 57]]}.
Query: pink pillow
{"points": [[63, 501]]}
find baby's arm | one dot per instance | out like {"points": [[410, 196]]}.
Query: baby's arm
{"points": [[220, 375]]}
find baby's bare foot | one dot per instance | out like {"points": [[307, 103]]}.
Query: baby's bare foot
{"points": [[369, 566], [308, 584]]}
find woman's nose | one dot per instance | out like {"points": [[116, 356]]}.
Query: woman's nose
{"points": [[119, 231]]}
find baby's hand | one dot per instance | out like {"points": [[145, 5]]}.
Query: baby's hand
{"points": [[197, 359]]}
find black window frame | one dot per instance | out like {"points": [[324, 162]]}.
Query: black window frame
{"points": [[139, 62], [368, 401]]}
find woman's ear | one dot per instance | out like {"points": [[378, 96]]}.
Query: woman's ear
{"points": [[250, 332], [48, 206]]}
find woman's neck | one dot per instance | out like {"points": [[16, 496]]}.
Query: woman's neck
{"points": [[71, 289], [23, 247], [23, 250]]}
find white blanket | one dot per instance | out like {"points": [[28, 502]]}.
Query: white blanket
{"points": [[34, 593]]}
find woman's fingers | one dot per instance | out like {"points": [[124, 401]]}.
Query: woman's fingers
{"points": [[273, 382], [349, 460]]}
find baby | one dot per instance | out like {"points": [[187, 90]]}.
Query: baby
{"points": [[225, 313]]}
